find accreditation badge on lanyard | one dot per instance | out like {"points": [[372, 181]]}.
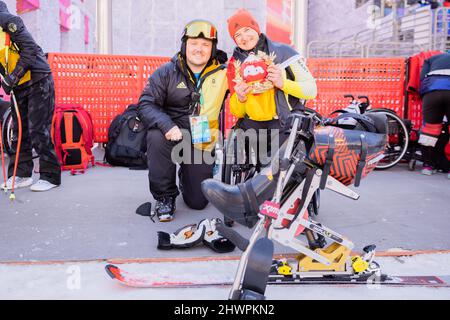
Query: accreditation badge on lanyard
{"points": [[200, 130]]}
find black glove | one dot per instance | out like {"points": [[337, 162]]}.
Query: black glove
{"points": [[9, 82]]}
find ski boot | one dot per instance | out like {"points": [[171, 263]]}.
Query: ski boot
{"points": [[240, 203]]}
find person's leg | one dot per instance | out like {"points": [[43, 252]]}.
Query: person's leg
{"points": [[446, 103], [192, 175], [161, 168], [41, 109], [162, 174], [276, 135], [433, 114], [25, 165], [447, 113], [255, 133]]}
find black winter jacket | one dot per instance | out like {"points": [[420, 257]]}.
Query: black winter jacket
{"points": [[167, 98], [437, 62], [435, 74], [32, 56]]}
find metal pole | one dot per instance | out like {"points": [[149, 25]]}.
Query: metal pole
{"points": [[104, 26], [301, 26], [395, 22]]}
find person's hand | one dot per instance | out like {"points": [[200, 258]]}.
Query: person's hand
{"points": [[8, 83], [174, 134], [275, 76], [242, 90]]}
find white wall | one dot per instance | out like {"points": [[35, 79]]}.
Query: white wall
{"points": [[154, 27], [336, 19], [44, 25]]}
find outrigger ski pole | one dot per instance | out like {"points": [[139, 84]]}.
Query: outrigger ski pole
{"points": [[12, 197], [5, 189]]}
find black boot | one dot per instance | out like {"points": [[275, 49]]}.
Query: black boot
{"points": [[165, 208], [240, 203]]}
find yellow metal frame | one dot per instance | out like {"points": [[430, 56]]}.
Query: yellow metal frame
{"points": [[337, 254]]}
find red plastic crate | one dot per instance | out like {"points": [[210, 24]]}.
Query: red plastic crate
{"points": [[415, 110]]}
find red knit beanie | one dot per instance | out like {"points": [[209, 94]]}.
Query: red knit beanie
{"points": [[241, 19]]}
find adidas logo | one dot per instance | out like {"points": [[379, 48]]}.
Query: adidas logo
{"points": [[181, 85]]}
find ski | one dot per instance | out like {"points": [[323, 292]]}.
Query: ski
{"points": [[384, 280], [136, 281]]}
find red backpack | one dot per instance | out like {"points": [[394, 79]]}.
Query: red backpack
{"points": [[73, 137]]}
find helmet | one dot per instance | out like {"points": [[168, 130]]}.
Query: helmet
{"points": [[199, 29]]}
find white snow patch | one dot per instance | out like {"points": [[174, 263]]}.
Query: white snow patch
{"points": [[89, 281], [396, 250]]}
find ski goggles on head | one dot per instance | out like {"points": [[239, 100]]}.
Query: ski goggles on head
{"points": [[197, 29]]}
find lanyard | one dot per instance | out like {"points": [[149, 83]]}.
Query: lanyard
{"points": [[197, 98]]}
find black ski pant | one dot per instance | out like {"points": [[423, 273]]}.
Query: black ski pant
{"points": [[436, 105], [162, 171], [36, 105], [264, 131]]}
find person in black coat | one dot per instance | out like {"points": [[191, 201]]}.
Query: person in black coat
{"points": [[32, 83], [435, 92], [188, 91]]}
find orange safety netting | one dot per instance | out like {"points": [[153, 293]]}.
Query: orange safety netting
{"points": [[103, 84], [381, 79]]}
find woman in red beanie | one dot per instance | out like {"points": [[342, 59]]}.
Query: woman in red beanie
{"points": [[267, 80]]}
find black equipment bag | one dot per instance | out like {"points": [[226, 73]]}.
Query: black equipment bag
{"points": [[127, 141]]}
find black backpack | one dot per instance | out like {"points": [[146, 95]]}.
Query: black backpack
{"points": [[127, 141]]}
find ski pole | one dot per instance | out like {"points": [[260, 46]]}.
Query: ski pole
{"points": [[19, 119], [19, 145], [5, 189]]}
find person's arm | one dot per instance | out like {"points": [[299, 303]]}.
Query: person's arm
{"points": [[151, 103], [304, 86]]}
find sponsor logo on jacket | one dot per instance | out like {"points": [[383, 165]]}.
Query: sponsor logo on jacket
{"points": [[181, 85]]}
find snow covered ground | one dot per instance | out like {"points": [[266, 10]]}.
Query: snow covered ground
{"points": [[75, 281]]}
